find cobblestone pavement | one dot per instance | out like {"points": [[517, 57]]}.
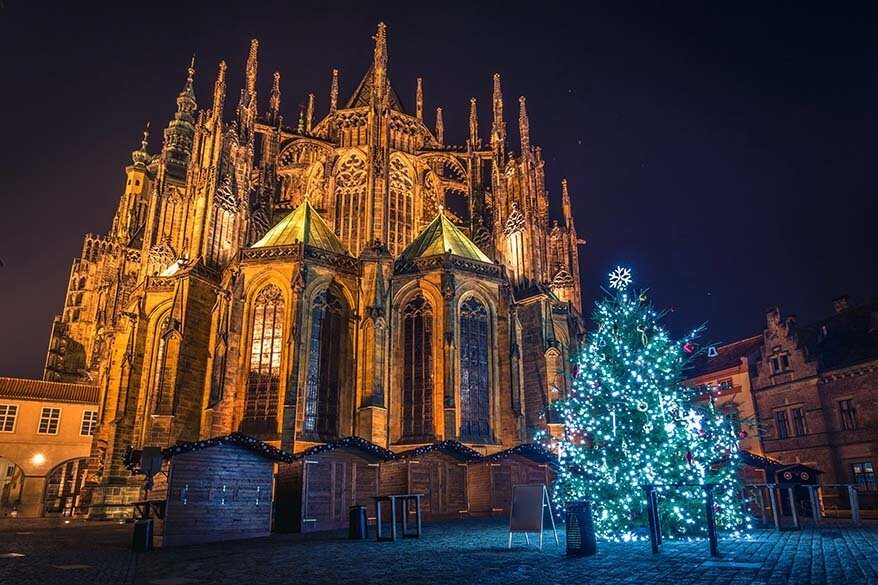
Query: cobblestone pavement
{"points": [[467, 551]]}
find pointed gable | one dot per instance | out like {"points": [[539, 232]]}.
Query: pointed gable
{"points": [[303, 224], [441, 236], [362, 95]]}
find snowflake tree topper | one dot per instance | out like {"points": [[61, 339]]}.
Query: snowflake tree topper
{"points": [[620, 278]]}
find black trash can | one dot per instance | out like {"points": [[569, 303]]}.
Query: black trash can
{"points": [[581, 541], [357, 529], [142, 535]]}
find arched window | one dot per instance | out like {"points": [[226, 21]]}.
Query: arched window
{"points": [[400, 206], [417, 370], [325, 344], [263, 381], [162, 375], [474, 392], [350, 206]]}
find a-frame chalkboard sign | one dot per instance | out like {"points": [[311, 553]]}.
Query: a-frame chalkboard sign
{"points": [[529, 506]]}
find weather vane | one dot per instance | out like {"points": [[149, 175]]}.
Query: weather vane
{"points": [[620, 278]]}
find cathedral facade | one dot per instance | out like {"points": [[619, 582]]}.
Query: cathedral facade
{"points": [[349, 275]]}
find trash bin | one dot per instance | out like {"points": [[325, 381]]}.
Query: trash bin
{"points": [[357, 529], [142, 535], [581, 539]]}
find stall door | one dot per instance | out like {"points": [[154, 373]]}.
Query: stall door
{"points": [[364, 486], [455, 488], [324, 496]]}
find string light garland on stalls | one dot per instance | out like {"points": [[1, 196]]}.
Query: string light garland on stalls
{"points": [[533, 451], [350, 443], [629, 421], [130, 457], [456, 449]]}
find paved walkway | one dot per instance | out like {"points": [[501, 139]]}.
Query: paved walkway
{"points": [[468, 551]]}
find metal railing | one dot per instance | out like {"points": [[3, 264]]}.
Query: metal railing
{"points": [[655, 529], [771, 496]]}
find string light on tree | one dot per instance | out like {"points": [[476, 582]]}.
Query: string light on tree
{"points": [[629, 421]]}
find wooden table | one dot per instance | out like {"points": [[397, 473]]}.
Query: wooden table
{"points": [[404, 499]]}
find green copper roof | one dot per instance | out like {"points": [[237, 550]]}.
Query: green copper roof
{"points": [[441, 236], [303, 224]]}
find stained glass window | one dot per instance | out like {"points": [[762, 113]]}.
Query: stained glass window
{"points": [[417, 384], [328, 334], [474, 393], [263, 381]]}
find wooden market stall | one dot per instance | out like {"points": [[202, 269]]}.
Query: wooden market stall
{"points": [[218, 489], [316, 491], [439, 471], [490, 480]]}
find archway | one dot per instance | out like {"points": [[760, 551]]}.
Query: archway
{"points": [[11, 484], [63, 486]]}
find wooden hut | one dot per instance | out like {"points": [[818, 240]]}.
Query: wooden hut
{"points": [[490, 480], [219, 489], [439, 471], [316, 491]]}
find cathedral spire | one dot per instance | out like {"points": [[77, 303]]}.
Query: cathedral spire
{"points": [[419, 102], [565, 205], [473, 124], [379, 65], [498, 130], [219, 92], [274, 100], [309, 113], [333, 92], [523, 126], [252, 64], [440, 127]]}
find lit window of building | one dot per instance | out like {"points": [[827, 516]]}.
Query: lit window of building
{"points": [[8, 413], [49, 421], [89, 422]]}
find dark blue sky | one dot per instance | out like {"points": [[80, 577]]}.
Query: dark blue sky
{"points": [[722, 150]]}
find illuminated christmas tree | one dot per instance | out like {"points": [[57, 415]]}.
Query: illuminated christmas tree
{"points": [[629, 421]]}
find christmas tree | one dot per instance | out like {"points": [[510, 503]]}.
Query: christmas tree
{"points": [[629, 421]]}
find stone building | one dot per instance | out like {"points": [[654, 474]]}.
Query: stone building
{"points": [[351, 274], [816, 393], [45, 437]]}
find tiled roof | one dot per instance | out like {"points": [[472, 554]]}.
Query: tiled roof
{"points": [[24, 389], [441, 236], [727, 356], [844, 339], [303, 224]]}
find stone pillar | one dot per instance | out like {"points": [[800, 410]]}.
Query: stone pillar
{"points": [[449, 402]]}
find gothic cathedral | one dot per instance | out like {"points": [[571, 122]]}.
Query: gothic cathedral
{"points": [[349, 275]]}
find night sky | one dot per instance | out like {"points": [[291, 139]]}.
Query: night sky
{"points": [[722, 151]]}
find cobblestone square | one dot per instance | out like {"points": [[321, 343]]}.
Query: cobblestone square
{"points": [[466, 551]]}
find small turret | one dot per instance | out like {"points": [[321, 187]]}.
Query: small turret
{"points": [[247, 103], [333, 93], [141, 157], [523, 126], [498, 128], [178, 136], [274, 100], [440, 127], [419, 102], [474, 141], [309, 114]]}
